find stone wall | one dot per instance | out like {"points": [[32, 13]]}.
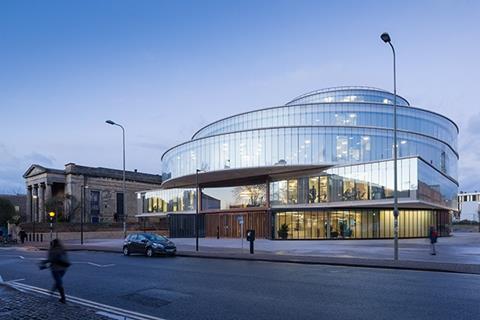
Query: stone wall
{"points": [[108, 189]]}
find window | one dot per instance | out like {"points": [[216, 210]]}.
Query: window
{"points": [[292, 191], [313, 190], [95, 206]]}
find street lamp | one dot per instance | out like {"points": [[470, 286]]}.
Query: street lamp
{"points": [[386, 38], [124, 186]]}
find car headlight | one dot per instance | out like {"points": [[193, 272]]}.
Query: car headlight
{"points": [[157, 245]]}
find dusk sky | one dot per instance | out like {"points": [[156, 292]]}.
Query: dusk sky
{"points": [[164, 69]]}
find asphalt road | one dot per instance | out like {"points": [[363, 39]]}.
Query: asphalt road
{"points": [[193, 288]]}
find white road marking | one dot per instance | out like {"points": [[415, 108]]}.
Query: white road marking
{"points": [[127, 314], [15, 280], [101, 265], [39, 259], [112, 316]]}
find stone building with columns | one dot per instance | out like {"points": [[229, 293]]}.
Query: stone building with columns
{"points": [[97, 192]]}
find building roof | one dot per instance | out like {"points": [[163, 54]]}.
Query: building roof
{"points": [[72, 168], [231, 177]]}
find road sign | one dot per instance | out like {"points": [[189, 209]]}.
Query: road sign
{"points": [[240, 219]]}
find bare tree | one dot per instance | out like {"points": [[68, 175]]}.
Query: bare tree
{"points": [[254, 193]]}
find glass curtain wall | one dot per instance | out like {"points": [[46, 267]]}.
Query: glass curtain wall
{"points": [[357, 224], [303, 145], [417, 180]]}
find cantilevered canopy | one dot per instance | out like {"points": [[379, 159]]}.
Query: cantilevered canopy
{"points": [[241, 176]]}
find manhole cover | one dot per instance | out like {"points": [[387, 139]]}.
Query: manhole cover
{"points": [[155, 297]]}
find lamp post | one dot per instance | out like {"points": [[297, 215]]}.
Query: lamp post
{"points": [[386, 38], [197, 208], [124, 186], [82, 216], [35, 197]]}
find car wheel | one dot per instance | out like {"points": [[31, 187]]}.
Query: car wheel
{"points": [[126, 252], [149, 252]]}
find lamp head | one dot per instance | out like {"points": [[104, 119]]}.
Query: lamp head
{"points": [[110, 122], [385, 37]]}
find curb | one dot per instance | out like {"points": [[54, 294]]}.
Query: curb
{"points": [[362, 263], [316, 260]]}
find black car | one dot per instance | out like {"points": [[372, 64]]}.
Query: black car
{"points": [[149, 244]]}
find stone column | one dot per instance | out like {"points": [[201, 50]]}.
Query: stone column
{"points": [[48, 192], [35, 203], [29, 212], [41, 202], [48, 195]]}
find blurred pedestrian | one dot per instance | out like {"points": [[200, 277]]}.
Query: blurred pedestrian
{"points": [[433, 235], [58, 263], [23, 235]]}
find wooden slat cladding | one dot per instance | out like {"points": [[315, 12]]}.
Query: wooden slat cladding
{"points": [[228, 226]]}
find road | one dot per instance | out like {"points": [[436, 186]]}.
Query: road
{"points": [[193, 288]]}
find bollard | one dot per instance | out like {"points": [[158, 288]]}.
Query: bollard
{"points": [[251, 239]]}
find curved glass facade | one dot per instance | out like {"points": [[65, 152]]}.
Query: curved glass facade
{"points": [[339, 114], [349, 94], [349, 129], [338, 131], [303, 145]]}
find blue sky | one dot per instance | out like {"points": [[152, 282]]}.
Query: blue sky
{"points": [[166, 68]]}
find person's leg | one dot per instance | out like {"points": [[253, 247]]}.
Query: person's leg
{"points": [[57, 276], [61, 290]]}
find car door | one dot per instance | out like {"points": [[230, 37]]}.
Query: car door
{"points": [[140, 243], [131, 243]]}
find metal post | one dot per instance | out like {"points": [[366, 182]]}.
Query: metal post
{"points": [[34, 215], [196, 210], [386, 38], [125, 215], [82, 214], [51, 231], [241, 232], [395, 158]]}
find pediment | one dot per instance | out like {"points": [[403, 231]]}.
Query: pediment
{"points": [[34, 170]]}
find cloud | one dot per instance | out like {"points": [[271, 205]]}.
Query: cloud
{"points": [[152, 145], [473, 127], [13, 166]]}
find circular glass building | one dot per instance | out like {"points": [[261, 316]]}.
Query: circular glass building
{"points": [[319, 167]]}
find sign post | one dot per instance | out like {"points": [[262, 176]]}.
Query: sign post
{"points": [[240, 221]]}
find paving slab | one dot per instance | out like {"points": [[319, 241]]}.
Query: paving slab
{"points": [[19, 305]]}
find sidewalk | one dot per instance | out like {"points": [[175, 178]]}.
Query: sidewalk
{"points": [[18, 305], [458, 253]]}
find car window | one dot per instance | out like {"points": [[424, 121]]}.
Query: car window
{"points": [[140, 237], [155, 237], [132, 237]]}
